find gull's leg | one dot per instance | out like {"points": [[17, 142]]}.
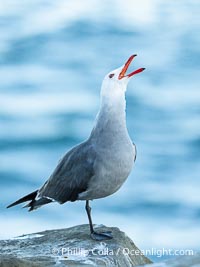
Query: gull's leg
{"points": [[94, 235]]}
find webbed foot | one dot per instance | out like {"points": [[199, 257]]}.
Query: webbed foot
{"points": [[101, 236]]}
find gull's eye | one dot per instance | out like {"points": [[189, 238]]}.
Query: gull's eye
{"points": [[111, 75]]}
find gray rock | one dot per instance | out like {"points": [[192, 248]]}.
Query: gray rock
{"points": [[70, 247]]}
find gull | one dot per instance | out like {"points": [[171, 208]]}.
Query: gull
{"points": [[99, 166]]}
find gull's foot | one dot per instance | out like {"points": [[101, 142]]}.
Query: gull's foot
{"points": [[101, 236]]}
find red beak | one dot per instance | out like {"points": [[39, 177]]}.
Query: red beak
{"points": [[123, 72]]}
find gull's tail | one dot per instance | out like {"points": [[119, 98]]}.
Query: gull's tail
{"points": [[33, 204]]}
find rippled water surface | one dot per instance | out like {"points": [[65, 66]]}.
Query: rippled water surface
{"points": [[53, 57]]}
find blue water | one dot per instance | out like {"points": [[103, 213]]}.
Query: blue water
{"points": [[53, 57]]}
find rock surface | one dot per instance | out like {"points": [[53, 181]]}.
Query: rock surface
{"points": [[74, 247], [70, 247]]}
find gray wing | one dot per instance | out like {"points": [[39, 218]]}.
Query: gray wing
{"points": [[72, 174]]}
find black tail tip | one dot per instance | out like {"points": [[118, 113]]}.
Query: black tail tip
{"points": [[9, 206]]}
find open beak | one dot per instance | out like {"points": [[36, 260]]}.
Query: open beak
{"points": [[123, 72]]}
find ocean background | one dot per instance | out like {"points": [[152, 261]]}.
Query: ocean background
{"points": [[53, 57]]}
